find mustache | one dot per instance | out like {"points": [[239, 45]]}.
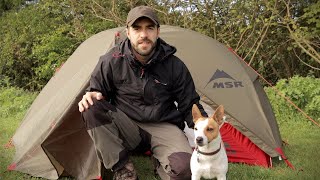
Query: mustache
{"points": [[145, 40]]}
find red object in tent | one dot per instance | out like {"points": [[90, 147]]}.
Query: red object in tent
{"points": [[240, 149]]}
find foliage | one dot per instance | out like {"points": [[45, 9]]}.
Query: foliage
{"points": [[259, 31], [278, 38], [14, 101], [7, 5], [302, 31], [302, 91], [4, 81], [15, 46], [40, 37], [21, 36]]}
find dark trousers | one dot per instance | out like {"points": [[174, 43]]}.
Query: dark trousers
{"points": [[115, 135]]}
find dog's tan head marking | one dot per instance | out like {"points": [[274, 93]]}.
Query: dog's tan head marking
{"points": [[211, 131]]}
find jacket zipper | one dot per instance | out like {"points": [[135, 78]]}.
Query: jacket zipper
{"points": [[142, 73]]}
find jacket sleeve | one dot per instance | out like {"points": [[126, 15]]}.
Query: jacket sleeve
{"points": [[185, 93], [101, 78]]}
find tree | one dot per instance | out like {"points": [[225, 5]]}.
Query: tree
{"points": [[278, 38], [40, 37], [6, 5]]}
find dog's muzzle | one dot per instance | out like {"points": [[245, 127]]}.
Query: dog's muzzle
{"points": [[199, 141]]}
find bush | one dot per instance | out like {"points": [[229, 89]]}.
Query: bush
{"points": [[14, 101], [302, 91], [38, 38]]}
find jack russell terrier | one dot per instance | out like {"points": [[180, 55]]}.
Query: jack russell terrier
{"points": [[209, 158]]}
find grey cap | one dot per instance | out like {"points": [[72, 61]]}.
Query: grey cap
{"points": [[142, 11]]}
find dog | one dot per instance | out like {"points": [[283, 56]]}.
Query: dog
{"points": [[209, 158]]}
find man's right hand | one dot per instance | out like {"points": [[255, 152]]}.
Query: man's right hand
{"points": [[87, 101]]}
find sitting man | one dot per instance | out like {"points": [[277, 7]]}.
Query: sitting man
{"points": [[130, 103]]}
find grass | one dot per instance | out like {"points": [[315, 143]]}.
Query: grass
{"points": [[14, 104], [303, 140]]}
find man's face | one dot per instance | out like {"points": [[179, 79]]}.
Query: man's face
{"points": [[143, 35]]}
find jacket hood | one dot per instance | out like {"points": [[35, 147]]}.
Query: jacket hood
{"points": [[163, 50]]}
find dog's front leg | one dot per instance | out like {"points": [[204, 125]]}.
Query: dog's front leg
{"points": [[195, 177], [221, 177]]}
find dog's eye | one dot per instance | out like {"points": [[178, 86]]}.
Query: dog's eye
{"points": [[209, 129], [196, 129]]}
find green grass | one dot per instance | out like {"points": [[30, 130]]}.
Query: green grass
{"points": [[303, 140], [14, 104]]}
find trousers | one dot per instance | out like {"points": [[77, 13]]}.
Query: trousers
{"points": [[115, 136]]}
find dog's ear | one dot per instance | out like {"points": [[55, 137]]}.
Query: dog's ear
{"points": [[218, 115], [196, 114]]}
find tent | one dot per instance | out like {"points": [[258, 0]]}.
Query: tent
{"points": [[52, 141]]}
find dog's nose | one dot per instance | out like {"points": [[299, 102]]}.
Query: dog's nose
{"points": [[199, 139]]}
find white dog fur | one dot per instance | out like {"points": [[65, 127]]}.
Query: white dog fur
{"points": [[209, 159]]}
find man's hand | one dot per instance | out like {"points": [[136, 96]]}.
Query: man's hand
{"points": [[86, 100]]}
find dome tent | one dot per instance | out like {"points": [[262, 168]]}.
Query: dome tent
{"points": [[52, 140]]}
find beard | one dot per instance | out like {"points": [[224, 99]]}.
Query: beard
{"points": [[144, 51]]}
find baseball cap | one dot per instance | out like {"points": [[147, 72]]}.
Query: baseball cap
{"points": [[142, 11]]}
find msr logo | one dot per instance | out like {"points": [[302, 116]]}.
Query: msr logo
{"points": [[232, 83]]}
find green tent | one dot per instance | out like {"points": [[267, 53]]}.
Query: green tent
{"points": [[52, 141]]}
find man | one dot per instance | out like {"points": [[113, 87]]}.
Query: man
{"points": [[130, 103]]}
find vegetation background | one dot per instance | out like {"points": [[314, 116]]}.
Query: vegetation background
{"points": [[278, 38]]}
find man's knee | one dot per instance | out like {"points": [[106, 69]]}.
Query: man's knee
{"points": [[180, 166], [97, 114]]}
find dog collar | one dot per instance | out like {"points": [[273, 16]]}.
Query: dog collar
{"points": [[208, 153]]}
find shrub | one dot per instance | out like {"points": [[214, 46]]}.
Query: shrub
{"points": [[14, 101], [38, 38], [302, 91]]}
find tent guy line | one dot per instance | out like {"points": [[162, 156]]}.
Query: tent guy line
{"points": [[279, 92]]}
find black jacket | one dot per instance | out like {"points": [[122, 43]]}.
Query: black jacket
{"points": [[147, 93]]}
